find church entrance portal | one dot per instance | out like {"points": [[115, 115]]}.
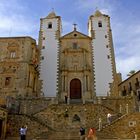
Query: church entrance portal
{"points": [[75, 89]]}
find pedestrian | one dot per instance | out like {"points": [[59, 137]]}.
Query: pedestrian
{"points": [[66, 99], [23, 131], [91, 134], [82, 133], [109, 118]]}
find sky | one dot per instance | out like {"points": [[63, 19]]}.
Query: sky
{"points": [[22, 18]]}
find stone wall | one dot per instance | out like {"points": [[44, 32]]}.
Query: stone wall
{"points": [[35, 128], [121, 105], [125, 127], [29, 105]]}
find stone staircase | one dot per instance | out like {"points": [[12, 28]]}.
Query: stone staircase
{"points": [[121, 129], [62, 135], [71, 116], [66, 127]]}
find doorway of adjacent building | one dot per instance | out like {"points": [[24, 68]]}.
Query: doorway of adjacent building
{"points": [[75, 89], [0, 128]]}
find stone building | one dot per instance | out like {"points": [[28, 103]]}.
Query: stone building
{"points": [[18, 67], [3, 120], [131, 85], [76, 65]]}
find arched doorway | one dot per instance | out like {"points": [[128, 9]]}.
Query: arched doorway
{"points": [[75, 89]]}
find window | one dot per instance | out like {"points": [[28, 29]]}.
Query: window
{"points": [[105, 36], [43, 38], [137, 83], [12, 54], [99, 24], [49, 25], [7, 81], [124, 87], [75, 46], [43, 47], [42, 58], [108, 56], [132, 123], [130, 86], [106, 46]]}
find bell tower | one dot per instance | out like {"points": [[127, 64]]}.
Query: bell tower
{"points": [[103, 53], [50, 32]]}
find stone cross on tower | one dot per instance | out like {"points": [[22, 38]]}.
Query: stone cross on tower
{"points": [[74, 25]]}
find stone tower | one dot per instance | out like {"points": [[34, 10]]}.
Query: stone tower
{"points": [[103, 54], [50, 31]]}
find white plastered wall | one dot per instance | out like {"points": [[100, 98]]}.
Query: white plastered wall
{"points": [[103, 71], [49, 65]]}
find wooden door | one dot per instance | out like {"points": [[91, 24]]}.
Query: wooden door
{"points": [[75, 89]]}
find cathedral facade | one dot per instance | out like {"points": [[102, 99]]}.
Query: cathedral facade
{"points": [[77, 66]]}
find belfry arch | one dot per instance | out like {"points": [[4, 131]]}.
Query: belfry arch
{"points": [[75, 89]]}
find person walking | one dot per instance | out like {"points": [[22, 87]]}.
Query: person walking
{"points": [[91, 134], [109, 118], [82, 133], [66, 99], [23, 131]]}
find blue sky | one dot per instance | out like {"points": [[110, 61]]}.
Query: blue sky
{"points": [[22, 18]]}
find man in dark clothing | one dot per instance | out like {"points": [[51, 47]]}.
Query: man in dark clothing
{"points": [[82, 133]]}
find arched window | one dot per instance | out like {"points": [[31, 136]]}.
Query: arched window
{"points": [[99, 24], [49, 25]]}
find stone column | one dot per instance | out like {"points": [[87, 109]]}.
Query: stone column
{"points": [[99, 100], [139, 108], [127, 109], [25, 109], [68, 100], [52, 122], [120, 109], [84, 89], [100, 124], [136, 136]]}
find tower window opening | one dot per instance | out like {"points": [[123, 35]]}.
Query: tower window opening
{"points": [[105, 36], [42, 58], [99, 24], [49, 25]]}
